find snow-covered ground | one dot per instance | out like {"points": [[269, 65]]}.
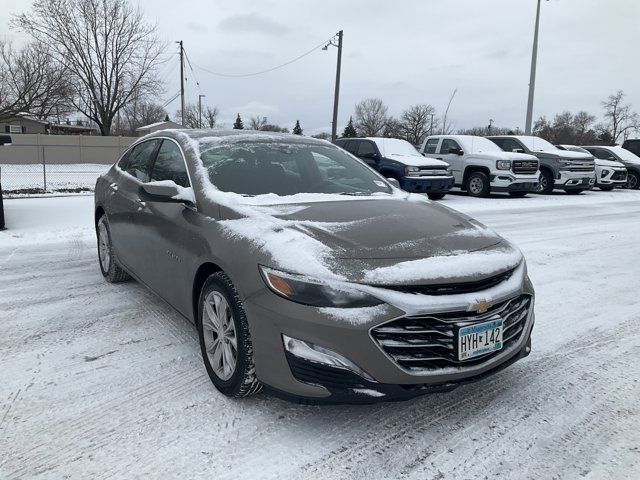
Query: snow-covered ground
{"points": [[105, 381], [52, 177]]}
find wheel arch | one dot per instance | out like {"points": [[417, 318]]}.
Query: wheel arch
{"points": [[202, 273], [472, 169], [98, 214]]}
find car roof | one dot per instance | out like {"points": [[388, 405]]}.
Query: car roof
{"points": [[198, 134]]}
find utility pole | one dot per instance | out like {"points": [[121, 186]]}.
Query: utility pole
{"points": [[200, 110], [489, 127], [334, 124], [532, 78], [181, 82]]}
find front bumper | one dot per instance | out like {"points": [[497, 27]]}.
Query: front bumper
{"points": [[575, 180], [287, 375], [427, 184], [614, 177], [508, 182]]}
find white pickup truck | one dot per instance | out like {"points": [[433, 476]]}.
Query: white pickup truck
{"points": [[481, 167]]}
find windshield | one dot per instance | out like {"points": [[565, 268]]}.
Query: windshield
{"points": [[257, 168], [479, 145], [625, 154], [537, 144], [394, 146]]}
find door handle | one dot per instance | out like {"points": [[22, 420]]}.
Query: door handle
{"points": [[113, 186]]}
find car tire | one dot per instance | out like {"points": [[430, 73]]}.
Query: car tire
{"points": [[518, 194], [225, 341], [436, 196], [606, 189], [109, 266], [574, 191], [545, 184], [633, 181], [478, 185]]}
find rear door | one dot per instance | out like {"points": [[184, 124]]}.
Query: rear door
{"points": [[453, 159]]}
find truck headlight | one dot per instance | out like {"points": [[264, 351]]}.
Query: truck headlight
{"points": [[503, 164], [449, 171], [410, 170], [308, 291]]}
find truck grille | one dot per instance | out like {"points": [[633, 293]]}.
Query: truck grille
{"points": [[619, 176], [432, 172], [524, 166], [582, 168], [424, 343]]}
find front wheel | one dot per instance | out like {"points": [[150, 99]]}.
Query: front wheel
{"points": [[109, 267], [436, 196], [545, 183], [478, 185], [633, 181], [518, 194], [225, 342]]}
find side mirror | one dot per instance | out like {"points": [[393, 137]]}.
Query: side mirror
{"points": [[394, 182], [168, 191], [369, 156], [455, 151]]}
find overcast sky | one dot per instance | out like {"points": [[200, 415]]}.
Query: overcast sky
{"points": [[404, 52]]}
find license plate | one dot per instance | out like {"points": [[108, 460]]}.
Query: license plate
{"points": [[479, 339]]}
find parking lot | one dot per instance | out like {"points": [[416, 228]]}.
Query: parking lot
{"points": [[105, 381]]}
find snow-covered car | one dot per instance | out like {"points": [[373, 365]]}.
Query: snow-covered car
{"points": [[618, 154], [307, 272], [572, 172], [395, 158], [481, 167], [609, 172]]}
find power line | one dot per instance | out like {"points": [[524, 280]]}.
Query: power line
{"points": [[171, 100], [236, 75]]}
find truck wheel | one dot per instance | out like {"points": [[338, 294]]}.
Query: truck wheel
{"points": [[436, 196], [518, 194], [545, 184], [225, 342], [108, 264], [575, 191], [633, 181], [478, 185]]}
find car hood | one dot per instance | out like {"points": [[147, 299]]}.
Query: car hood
{"points": [[608, 163], [416, 160], [503, 156], [567, 155], [370, 239]]}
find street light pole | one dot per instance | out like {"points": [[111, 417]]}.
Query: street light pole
{"points": [[200, 110], [532, 78], [334, 124], [181, 83]]}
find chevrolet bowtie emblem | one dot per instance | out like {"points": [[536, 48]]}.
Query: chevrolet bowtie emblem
{"points": [[481, 306]]}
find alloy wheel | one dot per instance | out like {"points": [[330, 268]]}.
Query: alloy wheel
{"points": [[632, 181], [104, 252], [220, 335], [542, 184]]}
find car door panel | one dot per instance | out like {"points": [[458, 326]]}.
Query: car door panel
{"points": [[453, 159]]}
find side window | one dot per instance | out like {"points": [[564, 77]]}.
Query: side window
{"points": [[351, 146], [604, 154], [140, 158], [122, 163], [366, 149], [169, 165], [510, 145], [448, 145], [498, 141], [431, 145]]}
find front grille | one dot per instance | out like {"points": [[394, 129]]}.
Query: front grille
{"points": [[619, 176], [432, 172], [582, 168], [424, 343], [452, 288], [524, 166]]}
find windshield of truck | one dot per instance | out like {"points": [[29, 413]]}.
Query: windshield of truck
{"points": [[394, 146], [479, 145], [537, 144]]}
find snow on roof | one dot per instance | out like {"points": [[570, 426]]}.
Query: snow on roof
{"points": [[157, 124]]}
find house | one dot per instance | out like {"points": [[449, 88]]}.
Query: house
{"points": [[25, 123], [154, 127]]}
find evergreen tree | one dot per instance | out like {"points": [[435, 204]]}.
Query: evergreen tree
{"points": [[238, 125], [350, 130], [297, 130]]}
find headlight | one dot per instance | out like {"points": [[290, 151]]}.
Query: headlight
{"points": [[503, 164], [409, 170], [449, 171], [605, 173], [307, 291]]}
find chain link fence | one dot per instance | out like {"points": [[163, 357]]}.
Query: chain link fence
{"points": [[32, 179]]}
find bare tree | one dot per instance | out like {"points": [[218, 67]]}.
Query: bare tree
{"points": [[393, 129], [582, 122], [448, 128], [210, 117], [417, 122], [106, 45], [618, 116], [31, 82], [371, 117], [257, 122], [136, 114]]}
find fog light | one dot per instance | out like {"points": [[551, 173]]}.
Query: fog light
{"points": [[316, 353]]}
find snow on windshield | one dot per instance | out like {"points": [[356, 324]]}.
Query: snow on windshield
{"points": [[537, 144], [478, 145], [625, 154], [394, 146]]}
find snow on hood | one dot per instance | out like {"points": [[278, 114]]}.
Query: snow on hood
{"points": [[502, 155], [417, 160], [571, 155], [335, 243], [608, 163]]}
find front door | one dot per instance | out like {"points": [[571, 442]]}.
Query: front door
{"points": [[448, 153]]}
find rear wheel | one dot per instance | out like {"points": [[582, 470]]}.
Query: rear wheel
{"points": [[518, 194], [108, 264], [545, 184], [633, 181], [436, 196], [225, 342], [478, 185]]}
